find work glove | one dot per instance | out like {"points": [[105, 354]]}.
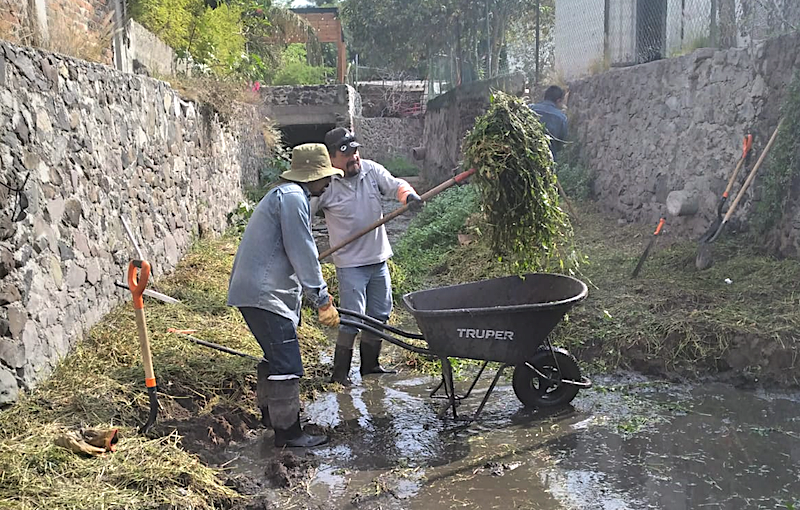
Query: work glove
{"points": [[328, 315], [414, 202], [101, 438], [74, 442]]}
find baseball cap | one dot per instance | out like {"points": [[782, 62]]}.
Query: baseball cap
{"points": [[342, 140]]}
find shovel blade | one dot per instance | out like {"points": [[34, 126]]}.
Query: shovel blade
{"points": [[712, 230]]}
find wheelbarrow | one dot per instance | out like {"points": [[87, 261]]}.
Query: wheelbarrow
{"points": [[505, 320]]}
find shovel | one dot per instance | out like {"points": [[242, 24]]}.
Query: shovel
{"points": [[704, 259], [137, 286], [746, 146], [458, 179], [647, 249]]}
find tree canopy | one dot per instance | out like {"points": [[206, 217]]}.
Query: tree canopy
{"points": [[402, 33]]}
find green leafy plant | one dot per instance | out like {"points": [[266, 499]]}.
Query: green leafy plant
{"points": [[576, 179], [519, 198], [784, 164], [238, 218]]}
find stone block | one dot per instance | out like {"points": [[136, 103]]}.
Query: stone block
{"points": [[9, 389], [9, 292]]}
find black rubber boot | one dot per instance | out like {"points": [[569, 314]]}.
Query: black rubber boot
{"points": [[341, 365], [370, 351], [295, 437], [342, 357], [262, 393], [284, 412]]}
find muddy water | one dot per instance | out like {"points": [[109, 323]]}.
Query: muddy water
{"points": [[628, 443]]}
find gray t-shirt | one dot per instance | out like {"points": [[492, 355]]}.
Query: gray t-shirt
{"points": [[353, 203]]}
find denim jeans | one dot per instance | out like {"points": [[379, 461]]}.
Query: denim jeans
{"points": [[366, 290], [277, 337]]}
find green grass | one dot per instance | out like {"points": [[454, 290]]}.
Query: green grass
{"points": [[401, 167]]}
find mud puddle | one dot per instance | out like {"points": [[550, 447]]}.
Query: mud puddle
{"points": [[628, 443]]}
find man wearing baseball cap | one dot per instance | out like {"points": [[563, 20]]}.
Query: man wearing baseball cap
{"points": [[350, 204], [276, 260]]}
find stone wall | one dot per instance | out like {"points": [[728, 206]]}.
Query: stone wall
{"points": [[678, 124], [289, 105], [450, 116], [88, 144], [387, 138]]}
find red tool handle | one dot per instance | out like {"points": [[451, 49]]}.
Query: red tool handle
{"points": [[138, 284], [660, 226], [747, 145]]}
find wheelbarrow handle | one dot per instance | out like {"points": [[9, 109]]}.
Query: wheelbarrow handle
{"points": [[380, 325], [389, 338]]}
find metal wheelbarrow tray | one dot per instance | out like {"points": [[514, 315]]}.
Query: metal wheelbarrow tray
{"points": [[505, 320]]}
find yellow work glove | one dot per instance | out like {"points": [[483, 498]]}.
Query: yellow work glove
{"points": [[328, 315]]}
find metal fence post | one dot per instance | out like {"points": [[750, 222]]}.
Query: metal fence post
{"points": [[712, 35], [538, 32]]}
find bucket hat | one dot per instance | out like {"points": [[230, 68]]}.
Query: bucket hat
{"points": [[310, 162]]}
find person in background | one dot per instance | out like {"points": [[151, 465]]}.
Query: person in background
{"points": [[554, 120], [275, 261], [350, 204]]}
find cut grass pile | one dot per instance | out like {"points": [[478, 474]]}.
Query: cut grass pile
{"points": [[101, 384]]}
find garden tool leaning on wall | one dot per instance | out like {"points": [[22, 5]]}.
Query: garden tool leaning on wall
{"points": [[137, 286], [704, 258], [648, 248]]}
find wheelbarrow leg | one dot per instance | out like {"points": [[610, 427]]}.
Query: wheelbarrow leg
{"points": [[490, 390], [449, 388]]}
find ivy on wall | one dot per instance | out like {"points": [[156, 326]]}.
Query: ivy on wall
{"points": [[784, 164]]}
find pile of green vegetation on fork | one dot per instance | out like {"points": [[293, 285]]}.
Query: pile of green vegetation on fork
{"points": [[100, 384]]}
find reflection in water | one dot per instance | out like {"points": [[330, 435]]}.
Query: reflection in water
{"points": [[628, 444]]}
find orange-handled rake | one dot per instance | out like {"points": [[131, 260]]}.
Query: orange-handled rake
{"points": [[647, 250], [137, 286]]}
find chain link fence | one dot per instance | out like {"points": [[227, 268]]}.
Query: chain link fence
{"points": [[592, 35]]}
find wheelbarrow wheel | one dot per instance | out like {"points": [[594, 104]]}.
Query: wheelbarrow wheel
{"points": [[557, 364]]}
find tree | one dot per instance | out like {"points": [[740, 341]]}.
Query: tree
{"points": [[405, 32]]}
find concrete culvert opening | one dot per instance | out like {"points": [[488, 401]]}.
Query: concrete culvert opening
{"points": [[304, 133]]}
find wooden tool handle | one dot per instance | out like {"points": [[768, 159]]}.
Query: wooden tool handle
{"points": [[397, 212], [144, 342], [753, 173]]}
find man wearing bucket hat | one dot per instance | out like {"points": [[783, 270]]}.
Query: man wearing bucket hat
{"points": [[276, 260], [350, 204]]}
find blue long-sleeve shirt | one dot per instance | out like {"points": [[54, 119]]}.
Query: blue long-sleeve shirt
{"points": [[555, 122], [277, 258]]}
